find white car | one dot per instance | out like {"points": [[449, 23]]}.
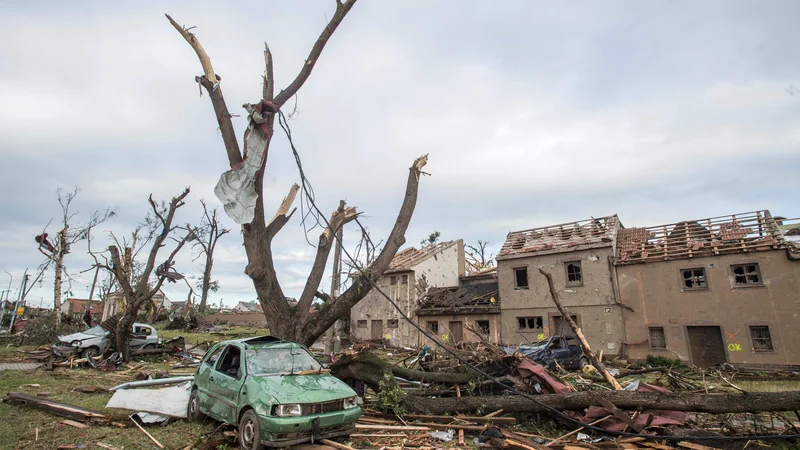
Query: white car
{"points": [[96, 340]]}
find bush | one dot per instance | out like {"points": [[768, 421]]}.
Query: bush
{"points": [[663, 361], [42, 330]]}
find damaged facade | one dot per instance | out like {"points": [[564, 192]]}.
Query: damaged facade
{"points": [[710, 291], [450, 312], [579, 256], [410, 274]]}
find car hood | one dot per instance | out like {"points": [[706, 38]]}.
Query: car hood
{"points": [[77, 337], [303, 388]]}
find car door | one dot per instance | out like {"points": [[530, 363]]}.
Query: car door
{"points": [[559, 351], [225, 383], [139, 334], [203, 374]]}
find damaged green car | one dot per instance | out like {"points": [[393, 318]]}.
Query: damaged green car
{"points": [[274, 390]]}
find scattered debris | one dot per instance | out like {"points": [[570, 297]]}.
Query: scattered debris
{"points": [[170, 401], [60, 409]]}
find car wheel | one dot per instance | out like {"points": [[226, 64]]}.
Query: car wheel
{"points": [[149, 346], [193, 407], [90, 352], [249, 434]]}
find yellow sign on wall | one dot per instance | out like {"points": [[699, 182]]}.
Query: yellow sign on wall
{"points": [[20, 310]]}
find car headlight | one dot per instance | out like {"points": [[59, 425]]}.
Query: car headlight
{"points": [[351, 402], [75, 343], [287, 410]]}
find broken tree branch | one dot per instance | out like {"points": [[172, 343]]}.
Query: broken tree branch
{"points": [[587, 349]]}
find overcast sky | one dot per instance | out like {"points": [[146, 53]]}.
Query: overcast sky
{"points": [[533, 113]]}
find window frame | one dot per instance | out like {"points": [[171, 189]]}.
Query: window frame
{"points": [[527, 286], [216, 351], [734, 285], [429, 327], [753, 339], [650, 329], [682, 279], [575, 262], [392, 323], [218, 366], [404, 279], [530, 330], [488, 329], [364, 321], [393, 280]]}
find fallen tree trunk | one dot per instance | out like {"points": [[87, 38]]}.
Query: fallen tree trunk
{"points": [[59, 409], [752, 402], [367, 367]]}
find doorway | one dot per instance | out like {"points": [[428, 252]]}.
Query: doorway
{"points": [[562, 328], [457, 331], [706, 346], [377, 329]]}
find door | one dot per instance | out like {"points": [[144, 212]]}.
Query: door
{"points": [[706, 346], [202, 377], [224, 385], [139, 336], [456, 331], [377, 329], [562, 328]]}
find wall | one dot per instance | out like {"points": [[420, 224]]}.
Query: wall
{"points": [[254, 319], [595, 302], [654, 291], [467, 320]]}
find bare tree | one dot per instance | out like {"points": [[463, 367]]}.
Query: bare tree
{"points": [[56, 249], [207, 234], [478, 258], [241, 191], [139, 282]]}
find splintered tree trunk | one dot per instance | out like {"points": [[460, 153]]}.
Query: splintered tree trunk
{"points": [[206, 281], [753, 402], [57, 286], [123, 333]]}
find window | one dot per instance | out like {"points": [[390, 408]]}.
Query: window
{"points": [[361, 324], [658, 340], [483, 326], [144, 331], [391, 323], [433, 326], [212, 357], [521, 278], [530, 323], [694, 278], [230, 362], [746, 275], [762, 341], [574, 273], [393, 280], [404, 279]]}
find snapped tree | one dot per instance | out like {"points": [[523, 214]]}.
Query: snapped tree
{"points": [[139, 282], [243, 189], [55, 250], [207, 234]]}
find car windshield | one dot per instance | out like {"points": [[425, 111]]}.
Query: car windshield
{"points": [[280, 361], [96, 331]]}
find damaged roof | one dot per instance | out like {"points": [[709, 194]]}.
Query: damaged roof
{"points": [[474, 298], [406, 259], [735, 233], [564, 237]]}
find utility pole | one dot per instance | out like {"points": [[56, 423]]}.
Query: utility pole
{"points": [[333, 332]]}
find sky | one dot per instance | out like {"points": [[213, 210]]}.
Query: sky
{"points": [[532, 113]]}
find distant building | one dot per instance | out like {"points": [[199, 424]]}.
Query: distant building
{"points": [[410, 274], [80, 305], [247, 307], [115, 303]]}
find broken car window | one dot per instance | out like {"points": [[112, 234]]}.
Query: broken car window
{"points": [[96, 331], [279, 361]]}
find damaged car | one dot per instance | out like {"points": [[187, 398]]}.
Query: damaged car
{"points": [[98, 339], [275, 391], [564, 350]]}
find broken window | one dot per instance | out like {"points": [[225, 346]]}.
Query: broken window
{"points": [[574, 273], [530, 323], [404, 279], [746, 275], [657, 338], [762, 341], [362, 324], [694, 278], [483, 326], [433, 326], [212, 358], [393, 280], [521, 278], [392, 323], [230, 363]]}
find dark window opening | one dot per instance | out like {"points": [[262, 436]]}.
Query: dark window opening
{"points": [[392, 323], [433, 326], [574, 274], [230, 362], [694, 278], [746, 275], [762, 341], [362, 324], [404, 279], [393, 280], [483, 326], [530, 323], [521, 278], [212, 358], [657, 338]]}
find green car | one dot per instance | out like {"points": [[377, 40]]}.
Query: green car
{"points": [[274, 390]]}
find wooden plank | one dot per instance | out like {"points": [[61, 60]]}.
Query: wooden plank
{"points": [[59, 409], [478, 419], [72, 423], [657, 446], [376, 435], [694, 446], [360, 426], [335, 444], [618, 413], [155, 441]]}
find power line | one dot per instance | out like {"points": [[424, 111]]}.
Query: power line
{"points": [[435, 340]]}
